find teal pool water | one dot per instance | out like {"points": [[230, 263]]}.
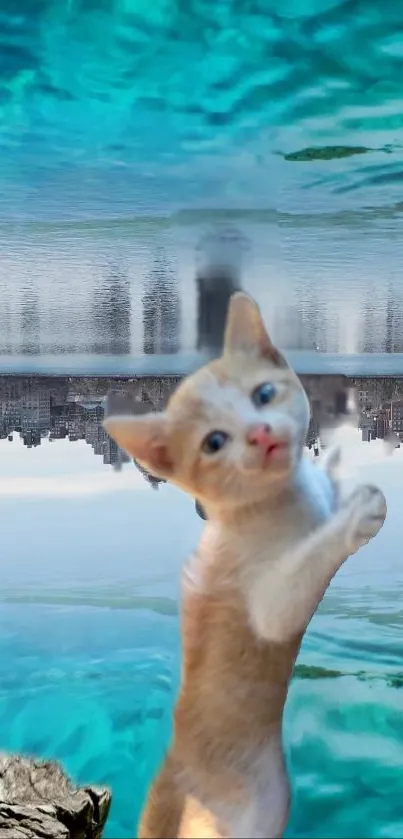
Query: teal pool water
{"points": [[95, 688], [123, 108]]}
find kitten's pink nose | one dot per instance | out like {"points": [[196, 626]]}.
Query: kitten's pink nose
{"points": [[260, 435]]}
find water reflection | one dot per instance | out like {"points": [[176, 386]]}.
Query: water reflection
{"points": [[161, 309], [202, 105], [30, 321], [102, 298], [111, 312], [219, 268]]}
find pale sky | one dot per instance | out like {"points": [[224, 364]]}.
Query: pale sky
{"points": [[69, 520]]}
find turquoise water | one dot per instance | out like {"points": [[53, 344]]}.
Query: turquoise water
{"points": [[123, 108], [95, 687]]}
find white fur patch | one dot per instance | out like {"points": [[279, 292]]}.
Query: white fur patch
{"points": [[192, 576], [193, 572], [280, 589], [317, 486]]}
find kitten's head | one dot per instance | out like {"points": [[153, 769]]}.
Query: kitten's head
{"points": [[234, 429]]}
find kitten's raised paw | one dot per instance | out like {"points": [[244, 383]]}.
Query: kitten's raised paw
{"points": [[366, 515]]}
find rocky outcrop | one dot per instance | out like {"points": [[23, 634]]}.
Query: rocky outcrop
{"points": [[38, 801]]}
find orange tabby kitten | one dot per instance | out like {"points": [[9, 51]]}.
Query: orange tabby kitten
{"points": [[233, 437]]}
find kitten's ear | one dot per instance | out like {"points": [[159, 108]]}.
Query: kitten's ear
{"points": [[145, 439], [246, 332]]}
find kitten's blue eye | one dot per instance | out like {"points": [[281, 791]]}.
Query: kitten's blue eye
{"points": [[214, 442], [263, 394]]}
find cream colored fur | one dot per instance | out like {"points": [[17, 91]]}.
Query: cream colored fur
{"points": [[276, 534]]}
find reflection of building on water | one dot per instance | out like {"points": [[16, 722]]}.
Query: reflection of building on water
{"points": [[393, 341], [311, 310], [161, 310], [369, 324], [111, 314], [389, 324], [30, 322], [289, 329], [218, 275], [212, 304], [5, 320]]}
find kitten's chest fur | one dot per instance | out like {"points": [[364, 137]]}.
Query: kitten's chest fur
{"points": [[234, 684], [285, 521]]}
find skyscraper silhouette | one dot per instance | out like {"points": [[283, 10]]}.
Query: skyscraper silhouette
{"points": [[5, 321]]}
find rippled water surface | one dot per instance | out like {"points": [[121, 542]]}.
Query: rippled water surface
{"points": [[122, 107], [89, 634], [130, 131]]}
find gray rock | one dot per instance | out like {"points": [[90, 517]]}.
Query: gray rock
{"points": [[38, 801]]}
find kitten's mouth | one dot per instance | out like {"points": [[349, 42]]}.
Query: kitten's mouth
{"points": [[275, 451]]}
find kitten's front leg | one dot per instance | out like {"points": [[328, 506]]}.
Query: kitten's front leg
{"points": [[284, 597]]}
